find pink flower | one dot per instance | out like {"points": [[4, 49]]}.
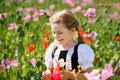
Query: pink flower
{"points": [[14, 63], [42, 12], [35, 9], [77, 9], [5, 14], [93, 34], [94, 75], [114, 15], [52, 7], [6, 64], [19, 0], [117, 6], [28, 1], [1, 16], [27, 11], [36, 16], [36, 19], [41, 1], [107, 72], [69, 2], [27, 18], [12, 26], [91, 20], [2, 67], [86, 2], [86, 35], [48, 13], [90, 13], [33, 62], [20, 9]]}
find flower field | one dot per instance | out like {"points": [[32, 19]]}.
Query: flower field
{"points": [[25, 35]]}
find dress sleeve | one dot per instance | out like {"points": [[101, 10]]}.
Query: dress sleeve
{"points": [[85, 56], [48, 55]]}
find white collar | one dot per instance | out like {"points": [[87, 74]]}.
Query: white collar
{"points": [[68, 58]]}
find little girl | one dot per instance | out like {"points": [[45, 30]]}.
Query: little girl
{"points": [[73, 51]]}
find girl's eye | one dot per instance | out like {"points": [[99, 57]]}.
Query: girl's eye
{"points": [[53, 32], [60, 33]]}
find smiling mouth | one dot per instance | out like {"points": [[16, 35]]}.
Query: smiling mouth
{"points": [[60, 40]]}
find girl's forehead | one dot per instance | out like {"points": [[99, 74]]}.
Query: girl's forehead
{"points": [[58, 26]]}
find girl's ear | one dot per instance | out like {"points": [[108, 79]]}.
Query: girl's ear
{"points": [[75, 34], [73, 29]]}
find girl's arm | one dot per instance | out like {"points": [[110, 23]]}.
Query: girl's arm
{"points": [[46, 75], [81, 76], [70, 75]]}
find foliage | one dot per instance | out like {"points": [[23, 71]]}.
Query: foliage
{"points": [[28, 29]]}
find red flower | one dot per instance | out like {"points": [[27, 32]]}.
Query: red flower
{"points": [[47, 35], [56, 72], [89, 40], [118, 38], [45, 44], [31, 48], [56, 76], [113, 39], [96, 60], [81, 32]]}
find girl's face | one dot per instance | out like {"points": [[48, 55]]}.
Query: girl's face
{"points": [[61, 34]]}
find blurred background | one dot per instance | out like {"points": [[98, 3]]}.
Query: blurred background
{"points": [[24, 35]]}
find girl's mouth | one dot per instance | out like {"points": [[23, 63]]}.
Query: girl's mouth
{"points": [[60, 40]]}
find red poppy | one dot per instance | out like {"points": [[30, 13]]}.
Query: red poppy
{"points": [[81, 32], [31, 48], [118, 38], [56, 76], [56, 72], [47, 35], [57, 67], [96, 60], [46, 44], [113, 39], [89, 40]]}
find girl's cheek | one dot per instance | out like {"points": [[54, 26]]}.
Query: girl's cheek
{"points": [[53, 35]]}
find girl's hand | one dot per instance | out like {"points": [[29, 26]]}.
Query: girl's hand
{"points": [[66, 75], [46, 75]]}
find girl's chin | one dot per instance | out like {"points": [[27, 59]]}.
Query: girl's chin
{"points": [[60, 42]]}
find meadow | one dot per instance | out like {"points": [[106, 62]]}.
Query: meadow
{"points": [[25, 35]]}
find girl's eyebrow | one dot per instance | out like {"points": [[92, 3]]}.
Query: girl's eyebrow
{"points": [[56, 31], [59, 31]]}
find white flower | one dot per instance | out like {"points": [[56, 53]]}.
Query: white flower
{"points": [[62, 63], [61, 60], [68, 66]]}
